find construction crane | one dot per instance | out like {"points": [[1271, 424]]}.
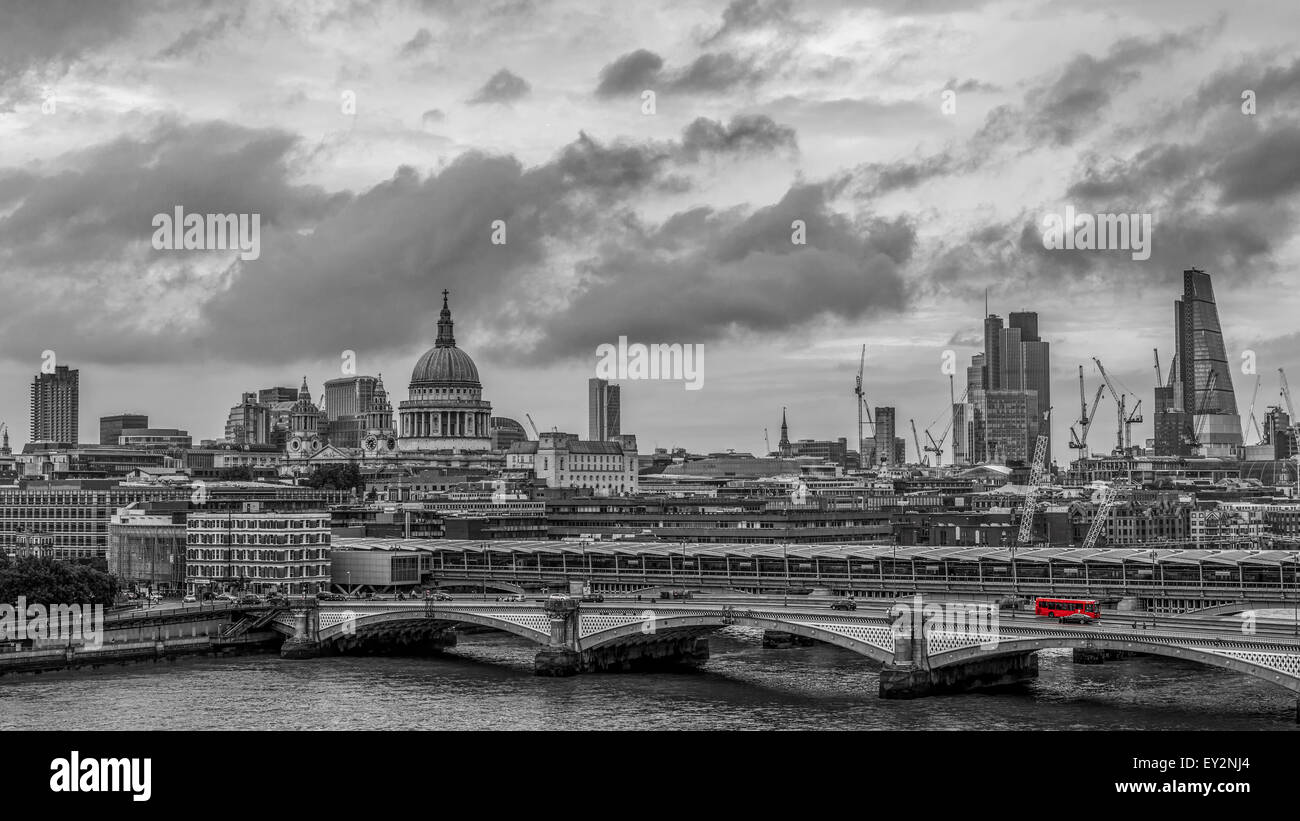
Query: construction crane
{"points": [[1036, 472], [1210, 380], [937, 447], [768, 443], [1121, 416], [1250, 419], [1130, 420], [1108, 496], [920, 460], [861, 399], [1286, 393], [533, 425], [1154, 351], [1080, 441]]}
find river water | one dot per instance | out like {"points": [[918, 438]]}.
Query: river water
{"points": [[487, 683]]}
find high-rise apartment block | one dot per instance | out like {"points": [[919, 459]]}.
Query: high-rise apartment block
{"points": [[55, 406]]}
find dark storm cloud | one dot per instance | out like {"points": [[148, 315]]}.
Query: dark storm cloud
{"points": [[711, 73], [1264, 169], [732, 271], [363, 272], [749, 15], [707, 74], [629, 74], [45, 36], [970, 86], [502, 87], [1072, 104], [107, 196], [742, 134], [418, 44]]}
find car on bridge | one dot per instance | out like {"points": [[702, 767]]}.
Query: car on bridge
{"points": [[440, 596], [1077, 618], [593, 597], [189, 599], [846, 604], [515, 597]]}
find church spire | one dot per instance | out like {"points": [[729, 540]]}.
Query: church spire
{"points": [[785, 433], [445, 337], [304, 395]]}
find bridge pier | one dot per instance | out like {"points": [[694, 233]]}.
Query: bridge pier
{"points": [[667, 653], [916, 681], [1094, 655], [303, 644]]}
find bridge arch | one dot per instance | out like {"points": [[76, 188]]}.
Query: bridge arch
{"points": [[335, 622], [1280, 669], [867, 636]]}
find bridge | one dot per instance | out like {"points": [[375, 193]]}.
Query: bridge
{"points": [[924, 647]]}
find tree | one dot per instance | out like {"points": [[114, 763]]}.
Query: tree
{"points": [[338, 477], [46, 581]]}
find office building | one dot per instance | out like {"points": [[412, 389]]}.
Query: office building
{"points": [[146, 545], [1203, 379], [886, 431], [110, 427], [256, 550], [249, 422], [603, 410], [55, 406], [563, 460], [346, 402]]}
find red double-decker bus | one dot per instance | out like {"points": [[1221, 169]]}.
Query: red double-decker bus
{"points": [[1064, 607]]}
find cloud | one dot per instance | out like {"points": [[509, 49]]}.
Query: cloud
{"points": [[712, 73], [418, 44], [744, 133], [629, 74], [503, 87]]}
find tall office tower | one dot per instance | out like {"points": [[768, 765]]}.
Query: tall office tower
{"points": [[346, 401], [1171, 423], [1204, 378], [1015, 361], [975, 374], [886, 435], [603, 410], [55, 405], [111, 427]]}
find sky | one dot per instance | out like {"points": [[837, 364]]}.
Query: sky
{"points": [[576, 172]]}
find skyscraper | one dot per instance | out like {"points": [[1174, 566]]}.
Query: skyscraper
{"points": [[1015, 369], [603, 410], [55, 406], [886, 429], [1204, 380], [346, 401]]}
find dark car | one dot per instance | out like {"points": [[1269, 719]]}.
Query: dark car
{"points": [[596, 597], [846, 604], [1077, 618], [440, 596], [251, 598]]}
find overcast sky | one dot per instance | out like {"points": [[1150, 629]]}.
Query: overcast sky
{"points": [[672, 226]]}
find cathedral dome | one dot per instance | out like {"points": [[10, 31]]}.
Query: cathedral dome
{"points": [[444, 363]]}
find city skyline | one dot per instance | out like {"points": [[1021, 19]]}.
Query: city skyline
{"points": [[666, 227]]}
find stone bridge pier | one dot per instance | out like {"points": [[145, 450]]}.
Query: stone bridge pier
{"points": [[911, 675], [303, 644], [565, 656]]}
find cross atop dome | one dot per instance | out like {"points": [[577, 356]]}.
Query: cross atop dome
{"points": [[445, 337]]}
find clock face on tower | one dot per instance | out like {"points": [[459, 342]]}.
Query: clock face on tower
{"points": [[372, 443], [295, 445], [392, 443]]}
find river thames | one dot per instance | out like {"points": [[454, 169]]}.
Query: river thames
{"points": [[487, 683]]}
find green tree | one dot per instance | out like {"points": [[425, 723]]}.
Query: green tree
{"points": [[46, 581], [338, 477]]}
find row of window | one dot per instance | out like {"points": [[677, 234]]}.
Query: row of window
{"points": [[259, 524], [259, 538], [196, 555], [225, 571]]}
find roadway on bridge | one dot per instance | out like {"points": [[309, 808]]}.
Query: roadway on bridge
{"points": [[1224, 627]]}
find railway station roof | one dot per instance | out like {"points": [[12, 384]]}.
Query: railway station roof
{"points": [[974, 553]]}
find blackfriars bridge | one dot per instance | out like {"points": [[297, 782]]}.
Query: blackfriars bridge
{"points": [[937, 656]]}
